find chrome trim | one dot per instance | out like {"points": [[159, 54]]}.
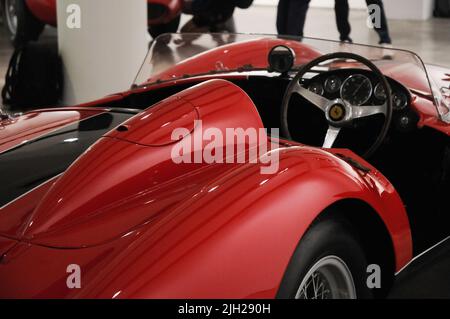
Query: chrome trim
{"points": [[421, 255], [314, 98], [331, 136]]}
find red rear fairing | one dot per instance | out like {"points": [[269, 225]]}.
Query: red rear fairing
{"points": [[129, 177]]}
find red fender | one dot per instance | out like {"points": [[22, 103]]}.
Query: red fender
{"points": [[45, 10]]}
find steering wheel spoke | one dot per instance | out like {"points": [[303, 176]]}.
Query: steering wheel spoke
{"points": [[330, 138], [366, 111], [316, 99]]}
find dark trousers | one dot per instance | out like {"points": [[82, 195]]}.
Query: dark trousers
{"points": [[291, 17], [342, 13]]}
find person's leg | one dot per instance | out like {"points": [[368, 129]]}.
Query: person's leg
{"points": [[283, 8], [192, 26], [297, 17], [383, 30], [227, 26], [342, 11]]}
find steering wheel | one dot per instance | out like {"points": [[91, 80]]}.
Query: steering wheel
{"points": [[338, 113]]}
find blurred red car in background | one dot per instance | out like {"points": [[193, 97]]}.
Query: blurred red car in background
{"points": [[25, 19]]}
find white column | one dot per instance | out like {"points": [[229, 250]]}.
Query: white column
{"points": [[409, 9], [104, 54]]}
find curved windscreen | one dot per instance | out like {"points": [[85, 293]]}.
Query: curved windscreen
{"points": [[179, 56]]}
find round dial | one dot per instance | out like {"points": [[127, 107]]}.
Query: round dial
{"points": [[400, 101], [380, 93], [356, 90], [316, 87], [333, 84]]}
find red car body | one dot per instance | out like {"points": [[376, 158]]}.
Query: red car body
{"points": [[141, 226], [45, 10]]}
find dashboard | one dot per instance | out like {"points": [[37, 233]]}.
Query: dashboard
{"points": [[358, 87]]}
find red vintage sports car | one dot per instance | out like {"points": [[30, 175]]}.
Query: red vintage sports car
{"points": [[25, 19], [94, 204]]}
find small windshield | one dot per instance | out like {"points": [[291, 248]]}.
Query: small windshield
{"points": [[179, 56]]}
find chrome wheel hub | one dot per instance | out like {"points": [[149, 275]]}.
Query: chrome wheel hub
{"points": [[11, 15], [329, 278]]}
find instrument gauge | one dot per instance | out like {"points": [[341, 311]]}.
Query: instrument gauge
{"points": [[356, 90], [317, 88], [400, 101], [333, 84], [380, 93]]}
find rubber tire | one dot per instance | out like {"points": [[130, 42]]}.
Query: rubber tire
{"points": [[39, 78], [170, 27], [29, 28], [330, 237]]}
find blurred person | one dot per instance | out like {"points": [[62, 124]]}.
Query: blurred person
{"points": [[212, 15], [342, 10], [291, 17]]}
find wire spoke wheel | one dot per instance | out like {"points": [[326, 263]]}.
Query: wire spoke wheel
{"points": [[329, 278], [11, 15]]}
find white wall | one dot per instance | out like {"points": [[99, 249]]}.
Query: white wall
{"points": [[395, 9], [357, 4]]}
